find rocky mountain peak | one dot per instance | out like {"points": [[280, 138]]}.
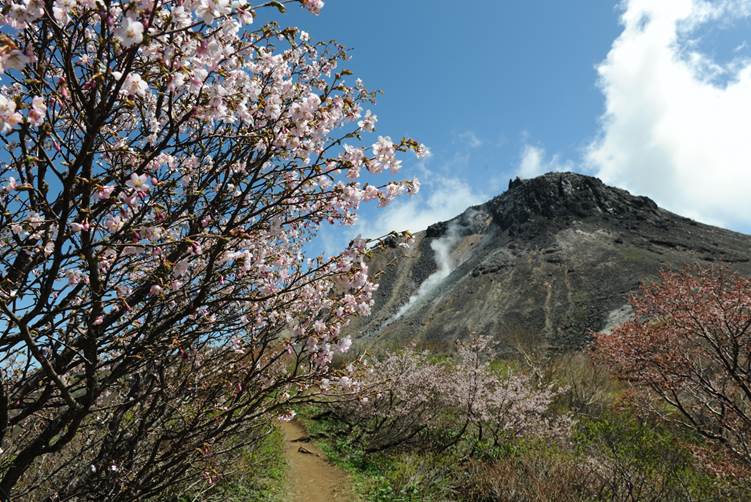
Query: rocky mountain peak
{"points": [[545, 263], [558, 198]]}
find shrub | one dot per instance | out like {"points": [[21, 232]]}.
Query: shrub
{"points": [[690, 346], [407, 399]]}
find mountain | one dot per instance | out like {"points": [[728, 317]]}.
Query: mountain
{"points": [[547, 262]]}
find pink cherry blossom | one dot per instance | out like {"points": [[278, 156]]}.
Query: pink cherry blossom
{"points": [[138, 182], [9, 117], [208, 10], [11, 185], [38, 109], [74, 277], [422, 151], [83, 226], [405, 397], [104, 192], [314, 6], [368, 122], [168, 166], [384, 151], [414, 186], [288, 416], [134, 85], [130, 32], [14, 59], [61, 10], [114, 224]]}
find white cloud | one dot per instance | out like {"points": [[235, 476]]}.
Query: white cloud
{"points": [[441, 198], [332, 240], [677, 125], [534, 162], [470, 139]]}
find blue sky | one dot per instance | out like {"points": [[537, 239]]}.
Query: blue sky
{"points": [[652, 96]]}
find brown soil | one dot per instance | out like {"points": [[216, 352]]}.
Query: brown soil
{"points": [[311, 478]]}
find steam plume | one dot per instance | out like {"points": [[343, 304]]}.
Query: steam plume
{"points": [[442, 255]]}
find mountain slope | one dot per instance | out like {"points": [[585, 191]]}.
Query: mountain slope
{"points": [[546, 262]]}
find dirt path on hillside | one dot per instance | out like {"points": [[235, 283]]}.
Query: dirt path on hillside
{"points": [[311, 478]]}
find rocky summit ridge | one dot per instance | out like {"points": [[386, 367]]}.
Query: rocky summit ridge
{"points": [[545, 263]]}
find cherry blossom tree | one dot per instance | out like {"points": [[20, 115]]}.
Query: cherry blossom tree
{"points": [[406, 399], [166, 165], [690, 345]]}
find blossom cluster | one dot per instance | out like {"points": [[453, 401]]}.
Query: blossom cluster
{"points": [[280, 110], [688, 347], [168, 164], [405, 397]]}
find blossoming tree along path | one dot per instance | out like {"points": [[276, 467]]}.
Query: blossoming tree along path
{"points": [[311, 478], [165, 165]]}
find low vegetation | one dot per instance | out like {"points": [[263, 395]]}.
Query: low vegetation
{"points": [[609, 451], [690, 346], [657, 411], [256, 473]]}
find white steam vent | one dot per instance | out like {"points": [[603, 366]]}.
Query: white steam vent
{"points": [[442, 248]]}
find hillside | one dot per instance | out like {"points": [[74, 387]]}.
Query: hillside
{"points": [[544, 263]]}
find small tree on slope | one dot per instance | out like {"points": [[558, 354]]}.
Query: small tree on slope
{"points": [[405, 399], [165, 164], [690, 344]]}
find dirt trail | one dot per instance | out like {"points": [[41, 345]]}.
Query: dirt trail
{"points": [[311, 478]]}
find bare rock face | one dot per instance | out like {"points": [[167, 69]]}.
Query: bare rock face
{"points": [[549, 261]]}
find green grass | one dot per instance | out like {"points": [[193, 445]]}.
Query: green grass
{"points": [[630, 450], [382, 477], [258, 474], [633, 254]]}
